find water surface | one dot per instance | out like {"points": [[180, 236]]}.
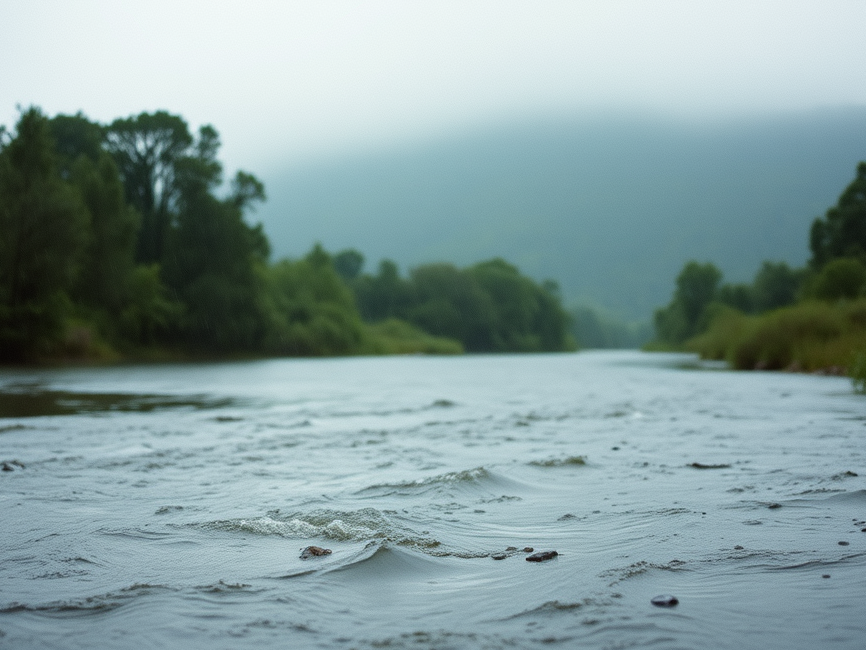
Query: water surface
{"points": [[166, 506]]}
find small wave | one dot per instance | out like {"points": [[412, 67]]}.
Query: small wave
{"points": [[87, 606], [856, 496], [474, 475], [362, 525], [553, 607], [385, 561], [639, 568]]}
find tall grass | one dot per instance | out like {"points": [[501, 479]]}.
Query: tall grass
{"points": [[809, 336]]}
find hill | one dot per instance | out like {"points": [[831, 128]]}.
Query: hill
{"points": [[609, 206]]}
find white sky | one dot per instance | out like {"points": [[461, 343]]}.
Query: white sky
{"points": [[288, 81]]}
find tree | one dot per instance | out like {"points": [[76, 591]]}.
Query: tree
{"points": [[776, 285], [842, 232], [43, 228], [348, 264], [840, 279], [696, 287], [310, 310], [147, 149], [108, 256]]}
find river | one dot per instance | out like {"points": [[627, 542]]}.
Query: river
{"points": [[167, 505]]}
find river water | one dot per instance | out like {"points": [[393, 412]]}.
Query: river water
{"points": [[166, 506]]}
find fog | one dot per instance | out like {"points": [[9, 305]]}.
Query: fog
{"points": [[295, 81]]}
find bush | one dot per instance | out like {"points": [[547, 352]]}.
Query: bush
{"points": [[808, 336]]}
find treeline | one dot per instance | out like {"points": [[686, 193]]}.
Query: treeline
{"points": [[812, 318], [114, 242]]}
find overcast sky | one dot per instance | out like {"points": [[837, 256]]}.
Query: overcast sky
{"points": [[290, 81]]}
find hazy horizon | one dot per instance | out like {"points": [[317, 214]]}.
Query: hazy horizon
{"points": [[298, 81]]}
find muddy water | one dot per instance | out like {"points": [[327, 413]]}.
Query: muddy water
{"points": [[166, 506]]}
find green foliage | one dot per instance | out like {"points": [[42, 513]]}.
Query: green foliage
{"points": [[211, 268], [113, 238], [310, 311], [348, 264], [842, 232], [44, 224], [395, 336], [840, 279], [385, 295], [775, 285], [806, 336], [489, 307], [696, 287]]}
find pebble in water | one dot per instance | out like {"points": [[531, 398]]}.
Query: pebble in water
{"points": [[314, 551], [543, 556], [665, 600], [843, 543]]}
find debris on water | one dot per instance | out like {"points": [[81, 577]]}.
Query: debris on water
{"points": [[511, 550], [706, 466], [826, 575], [9, 466], [773, 506], [738, 548], [665, 600], [542, 556], [314, 551], [843, 543], [567, 516]]}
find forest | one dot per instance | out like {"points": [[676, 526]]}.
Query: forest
{"points": [[122, 241], [806, 319]]}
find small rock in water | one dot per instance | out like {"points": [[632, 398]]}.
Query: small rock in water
{"points": [[738, 548], [314, 551], [665, 600], [529, 549], [843, 543], [499, 556], [773, 506], [826, 575], [543, 556]]}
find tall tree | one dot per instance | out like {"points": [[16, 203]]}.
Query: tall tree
{"points": [[43, 226], [842, 232], [148, 149], [107, 265]]}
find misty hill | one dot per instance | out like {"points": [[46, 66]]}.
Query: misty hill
{"points": [[610, 207]]}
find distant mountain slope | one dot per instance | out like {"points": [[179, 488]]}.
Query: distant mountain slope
{"points": [[611, 208]]}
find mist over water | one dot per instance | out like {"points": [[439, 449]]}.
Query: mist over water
{"points": [[609, 205], [167, 505]]}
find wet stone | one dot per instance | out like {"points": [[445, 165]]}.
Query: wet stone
{"points": [[738, 548], [773, 506], [314, 551], [542, 556], [826, 575], [508, 552], [843, 543], [665, 600]]}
